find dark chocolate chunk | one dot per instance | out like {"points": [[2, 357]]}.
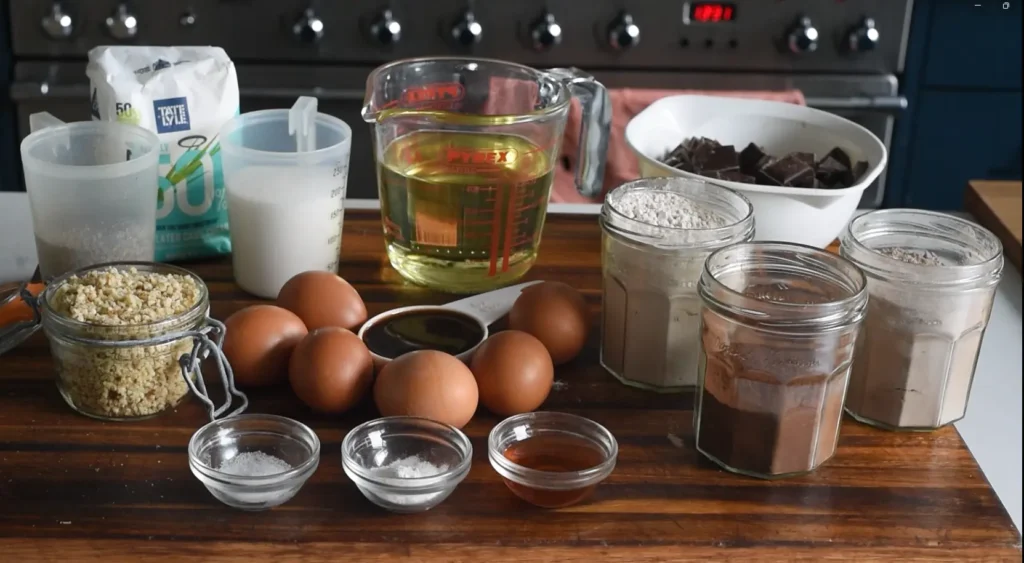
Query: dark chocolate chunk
{"points": [[805, 157], [722, 158], [761, 176], [752, 165], [733, 176], [750, 157], [831, 172], [790, 171], [700, 150], [858, 171], [840, 155]]}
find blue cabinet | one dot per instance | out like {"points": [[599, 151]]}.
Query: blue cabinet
{"points": [[963, 81], [962, 136], [974, 46]]}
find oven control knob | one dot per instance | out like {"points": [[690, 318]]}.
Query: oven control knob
{"points": [[122, 24], [467, 31], [58, 24], [386, 30], [623, 32], [803, 37], [863, 37], [545, 32], [308, 28]]}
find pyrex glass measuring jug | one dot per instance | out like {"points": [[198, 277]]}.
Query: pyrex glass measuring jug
{"points": [[466, 150], [92, 188], [285, 174]]}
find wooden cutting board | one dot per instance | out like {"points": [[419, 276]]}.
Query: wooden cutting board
{"points": [[996, 205], [79, 490]]}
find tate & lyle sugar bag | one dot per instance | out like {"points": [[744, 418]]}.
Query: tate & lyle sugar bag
{"points": [[184, 95]]}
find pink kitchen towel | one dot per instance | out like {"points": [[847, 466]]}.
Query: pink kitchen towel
{"points": [[622, 165]]}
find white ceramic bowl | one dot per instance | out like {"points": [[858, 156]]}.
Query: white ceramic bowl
{"points": [[804, 215]]}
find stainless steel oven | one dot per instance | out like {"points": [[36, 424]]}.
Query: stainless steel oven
{"points": [[845, 56]]}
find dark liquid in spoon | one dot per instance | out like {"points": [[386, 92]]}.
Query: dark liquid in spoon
{"points": [[446, 331]]}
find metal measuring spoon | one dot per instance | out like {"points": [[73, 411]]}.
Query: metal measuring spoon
{"points": [[483, 310]]}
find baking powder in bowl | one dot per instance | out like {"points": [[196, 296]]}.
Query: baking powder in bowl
{"points": [[656, 235], [412, 467]]}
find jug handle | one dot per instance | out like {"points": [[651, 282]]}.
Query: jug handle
{"points": [[594, 128], [42, 120]]}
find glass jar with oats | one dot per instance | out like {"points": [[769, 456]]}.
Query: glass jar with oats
{"points": [[94, 319]]}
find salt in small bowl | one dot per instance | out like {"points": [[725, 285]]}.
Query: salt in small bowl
{"points": [[370, 448], [255, 482]]}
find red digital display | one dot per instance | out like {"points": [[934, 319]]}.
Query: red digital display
{"points": [[712, 12]]}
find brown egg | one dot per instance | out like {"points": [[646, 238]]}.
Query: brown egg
{"points": [[429, 384], [513, 371], [556, 314], [323, 299], [259, 342], [331, 370]]}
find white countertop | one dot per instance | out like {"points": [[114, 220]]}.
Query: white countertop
{"points": [[992, 427]]}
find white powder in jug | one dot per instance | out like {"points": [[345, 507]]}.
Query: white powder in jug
{"points": [[64, 250], [283, 221], [651, 325]]}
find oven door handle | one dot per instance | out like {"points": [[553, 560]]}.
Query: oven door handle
{"points": [[879, 104], [26, 91]]}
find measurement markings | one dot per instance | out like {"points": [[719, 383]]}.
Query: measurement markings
{"points": [[510, 215], [495, 233]]}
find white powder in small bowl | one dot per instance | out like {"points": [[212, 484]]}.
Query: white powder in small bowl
{"points": [[254, 464], [411, 467]]}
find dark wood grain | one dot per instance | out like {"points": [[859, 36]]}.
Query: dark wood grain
{"points": [[76, 489]]}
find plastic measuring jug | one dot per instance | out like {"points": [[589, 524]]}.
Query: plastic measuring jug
{"points": [[466, 150], [92, 188], [285, 174]]}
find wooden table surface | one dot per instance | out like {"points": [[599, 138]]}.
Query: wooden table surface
{"points": [[997, 206], [74, 489]]}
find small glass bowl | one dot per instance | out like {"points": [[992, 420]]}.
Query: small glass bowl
{"points": [[564, 456], [370, 448], [220, 441]]}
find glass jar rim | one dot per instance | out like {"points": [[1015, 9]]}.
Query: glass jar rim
{"points": [[919, 223], [767, 313], [700, 192], [543, 77], [198, 309]]}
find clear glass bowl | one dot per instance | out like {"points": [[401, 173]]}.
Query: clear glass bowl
{"points": [[406, 464], [260, 482], [552, 459]]}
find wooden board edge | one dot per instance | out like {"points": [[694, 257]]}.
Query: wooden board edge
{"points": [[986, 216]]}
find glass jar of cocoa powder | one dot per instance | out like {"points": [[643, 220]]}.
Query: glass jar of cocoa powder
{"points": [[932, 278], [656, 234], [779, 323]]}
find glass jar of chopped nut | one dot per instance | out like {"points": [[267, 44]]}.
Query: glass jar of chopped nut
{"points": [[92, 318]]}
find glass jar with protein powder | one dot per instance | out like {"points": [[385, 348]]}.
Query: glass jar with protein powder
{"points": [[931, 278], [656, 234], [779, 324]]}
